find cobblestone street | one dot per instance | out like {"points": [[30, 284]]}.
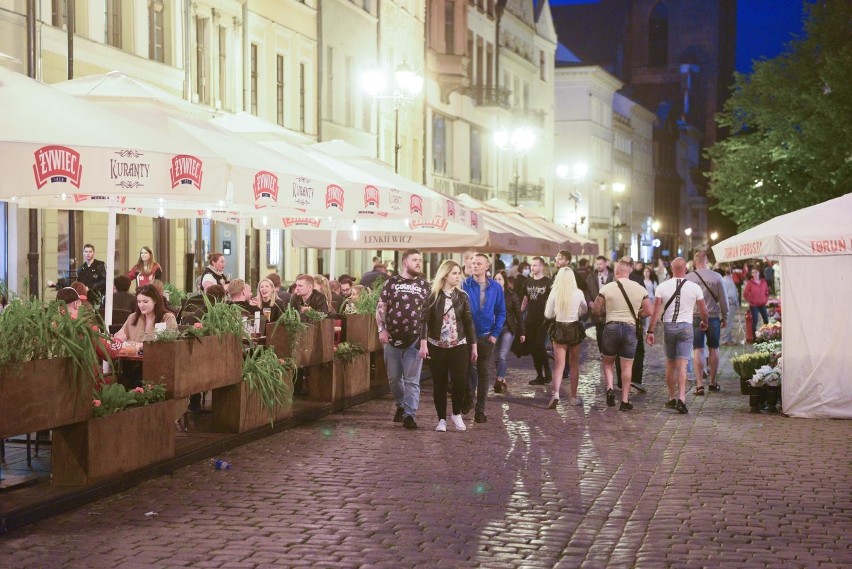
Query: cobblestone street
{"points": [[580, 486]]}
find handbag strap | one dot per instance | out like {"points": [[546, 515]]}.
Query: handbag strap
{"points": [[697, 274], [627, 300]]}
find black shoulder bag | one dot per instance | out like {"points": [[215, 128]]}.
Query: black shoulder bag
{"points": [[630, 306], [697, 274]]}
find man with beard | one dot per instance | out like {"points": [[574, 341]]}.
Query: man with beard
{"points": [[399, 316]]}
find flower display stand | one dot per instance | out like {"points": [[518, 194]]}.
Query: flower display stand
{"points": [[237, 408], [361, 329], [193, 366], [41, 395], [278, 338], [105, 447]]}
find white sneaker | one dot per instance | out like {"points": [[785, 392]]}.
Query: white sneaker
{"points": [[442, 426], [458, 423]]}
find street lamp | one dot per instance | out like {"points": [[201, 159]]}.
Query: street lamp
{"points": [[688, 233], [714, 236], [407, 87], [617, 188], [520, 140], [575, 174]]}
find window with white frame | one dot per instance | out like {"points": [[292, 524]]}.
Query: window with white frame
{"points": [[255, 79], [202, 84], [156, 31], [302, 96], [279, 89], [223, 67], [112, 27]]}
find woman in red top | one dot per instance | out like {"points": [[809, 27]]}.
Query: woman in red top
{"points": [[146, 269], [756, 293]]}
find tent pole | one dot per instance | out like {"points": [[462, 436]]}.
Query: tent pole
{"points": [[331, 261], [110, 266], [241, 247]]}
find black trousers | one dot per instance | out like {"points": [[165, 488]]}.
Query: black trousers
{"points": [[448, 365], [537, 336]]}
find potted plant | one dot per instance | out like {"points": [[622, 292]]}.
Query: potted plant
{"points": [[746, 364], [324, 336], [352, 365], [49, 364], [767, 379], [203, 357], [361, 326], [290, 337], [264, 394], [130, 430]]}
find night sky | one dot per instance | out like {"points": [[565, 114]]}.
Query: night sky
{"points": [[764, 27]]}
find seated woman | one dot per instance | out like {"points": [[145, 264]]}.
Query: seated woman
{"points": [[141, 326], [349, 305], [267, 298]]}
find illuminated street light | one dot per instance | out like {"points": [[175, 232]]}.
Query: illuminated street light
{"points": [[655, 226], [407, 86], [519, 141], [714, 236], [575, 174]]}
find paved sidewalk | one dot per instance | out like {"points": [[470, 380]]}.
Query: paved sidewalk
{"points": [[584, 486]]}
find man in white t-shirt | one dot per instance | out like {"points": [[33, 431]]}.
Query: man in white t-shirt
{"points": [[675, 301]]}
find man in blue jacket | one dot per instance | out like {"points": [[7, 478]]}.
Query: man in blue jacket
{"points": [[489, 315]]}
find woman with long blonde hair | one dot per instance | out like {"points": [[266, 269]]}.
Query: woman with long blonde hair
{"points": [[448, 337], [566, 304], [321, 284], [268, 298]]}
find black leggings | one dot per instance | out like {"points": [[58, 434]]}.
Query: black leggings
{"points": [[448, 364], [537, 336]]}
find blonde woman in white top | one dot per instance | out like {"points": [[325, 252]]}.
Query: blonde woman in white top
{"points": [[566, 304]]}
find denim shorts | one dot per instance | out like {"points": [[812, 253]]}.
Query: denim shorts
{"points": [[677, 337], [713, 333], [619, 339]]}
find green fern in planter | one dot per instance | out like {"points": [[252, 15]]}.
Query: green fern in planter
{"points": [[348, 351], [270, 378], [314, 316], [176, 295], [367, 301]]}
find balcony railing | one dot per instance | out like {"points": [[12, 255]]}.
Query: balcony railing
{"points": [[488, 96]]}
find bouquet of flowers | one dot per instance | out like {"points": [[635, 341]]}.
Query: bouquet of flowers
{"points": [[768, 332], [766, 375]]}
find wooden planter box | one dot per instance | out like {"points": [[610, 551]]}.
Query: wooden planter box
{"points": [[106, 447], [324, 342], [236, 409], [279, 340], [41, 395], [361, 329], [378, 371], [193, 366], [354, 375]]}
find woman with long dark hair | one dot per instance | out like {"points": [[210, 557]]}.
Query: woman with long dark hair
{"points": [[150, 311], [146, 268], [449, 339]]}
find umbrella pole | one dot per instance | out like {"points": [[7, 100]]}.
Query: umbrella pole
{"points": [[110, 266], [333, 258], [241, 247]]}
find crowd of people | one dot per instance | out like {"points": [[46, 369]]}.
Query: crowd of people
{"points": [[472, 315]]}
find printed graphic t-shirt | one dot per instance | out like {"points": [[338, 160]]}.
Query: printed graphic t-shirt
{"points": [[536, 291], [404, 300]]}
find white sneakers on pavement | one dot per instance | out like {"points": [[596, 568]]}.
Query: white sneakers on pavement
{"points": [[458, 423], [442, 426]]}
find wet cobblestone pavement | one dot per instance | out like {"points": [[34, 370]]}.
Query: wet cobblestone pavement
{"points": [[580, 486]]}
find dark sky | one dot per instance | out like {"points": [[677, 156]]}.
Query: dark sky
{"points": [[764, 27]]}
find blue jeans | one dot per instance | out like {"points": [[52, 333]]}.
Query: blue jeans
{"points": [[404, 365], [755, 310], [503, 347]]}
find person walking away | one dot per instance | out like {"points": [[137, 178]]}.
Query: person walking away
{"points": [[448, 338], [563, 259], [620, 304], [713, 290], [675, 303], [731, 296], [651, 287], [92, 273], [596, 281], [489, 314], [567, 305], [399, 317], [769, 277], [756, 293], [146, 268], [661, 271], [535, 292], [514, 327], [639, 358]]}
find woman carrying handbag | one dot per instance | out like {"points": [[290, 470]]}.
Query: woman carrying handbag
{"points": [[566, 305]]}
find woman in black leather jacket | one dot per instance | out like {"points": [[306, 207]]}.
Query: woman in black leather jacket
{"points": [[514, 326], [448, 338]]}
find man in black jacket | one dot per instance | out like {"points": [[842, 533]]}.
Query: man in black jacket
{"points": [[305, 297], [92, 273]]}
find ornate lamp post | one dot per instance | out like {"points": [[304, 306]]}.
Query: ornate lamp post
{"points": [[574, 174], [519, 141]]}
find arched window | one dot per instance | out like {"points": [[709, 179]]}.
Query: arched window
{"points": [[658, 35]]}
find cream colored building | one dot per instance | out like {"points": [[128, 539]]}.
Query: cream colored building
{"points": [[613, 203]]}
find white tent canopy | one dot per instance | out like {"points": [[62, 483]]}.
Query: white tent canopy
{"points": [[815, 247]]}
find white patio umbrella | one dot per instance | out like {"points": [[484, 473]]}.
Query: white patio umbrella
{"points": [[566, 239], [60, 152]]}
